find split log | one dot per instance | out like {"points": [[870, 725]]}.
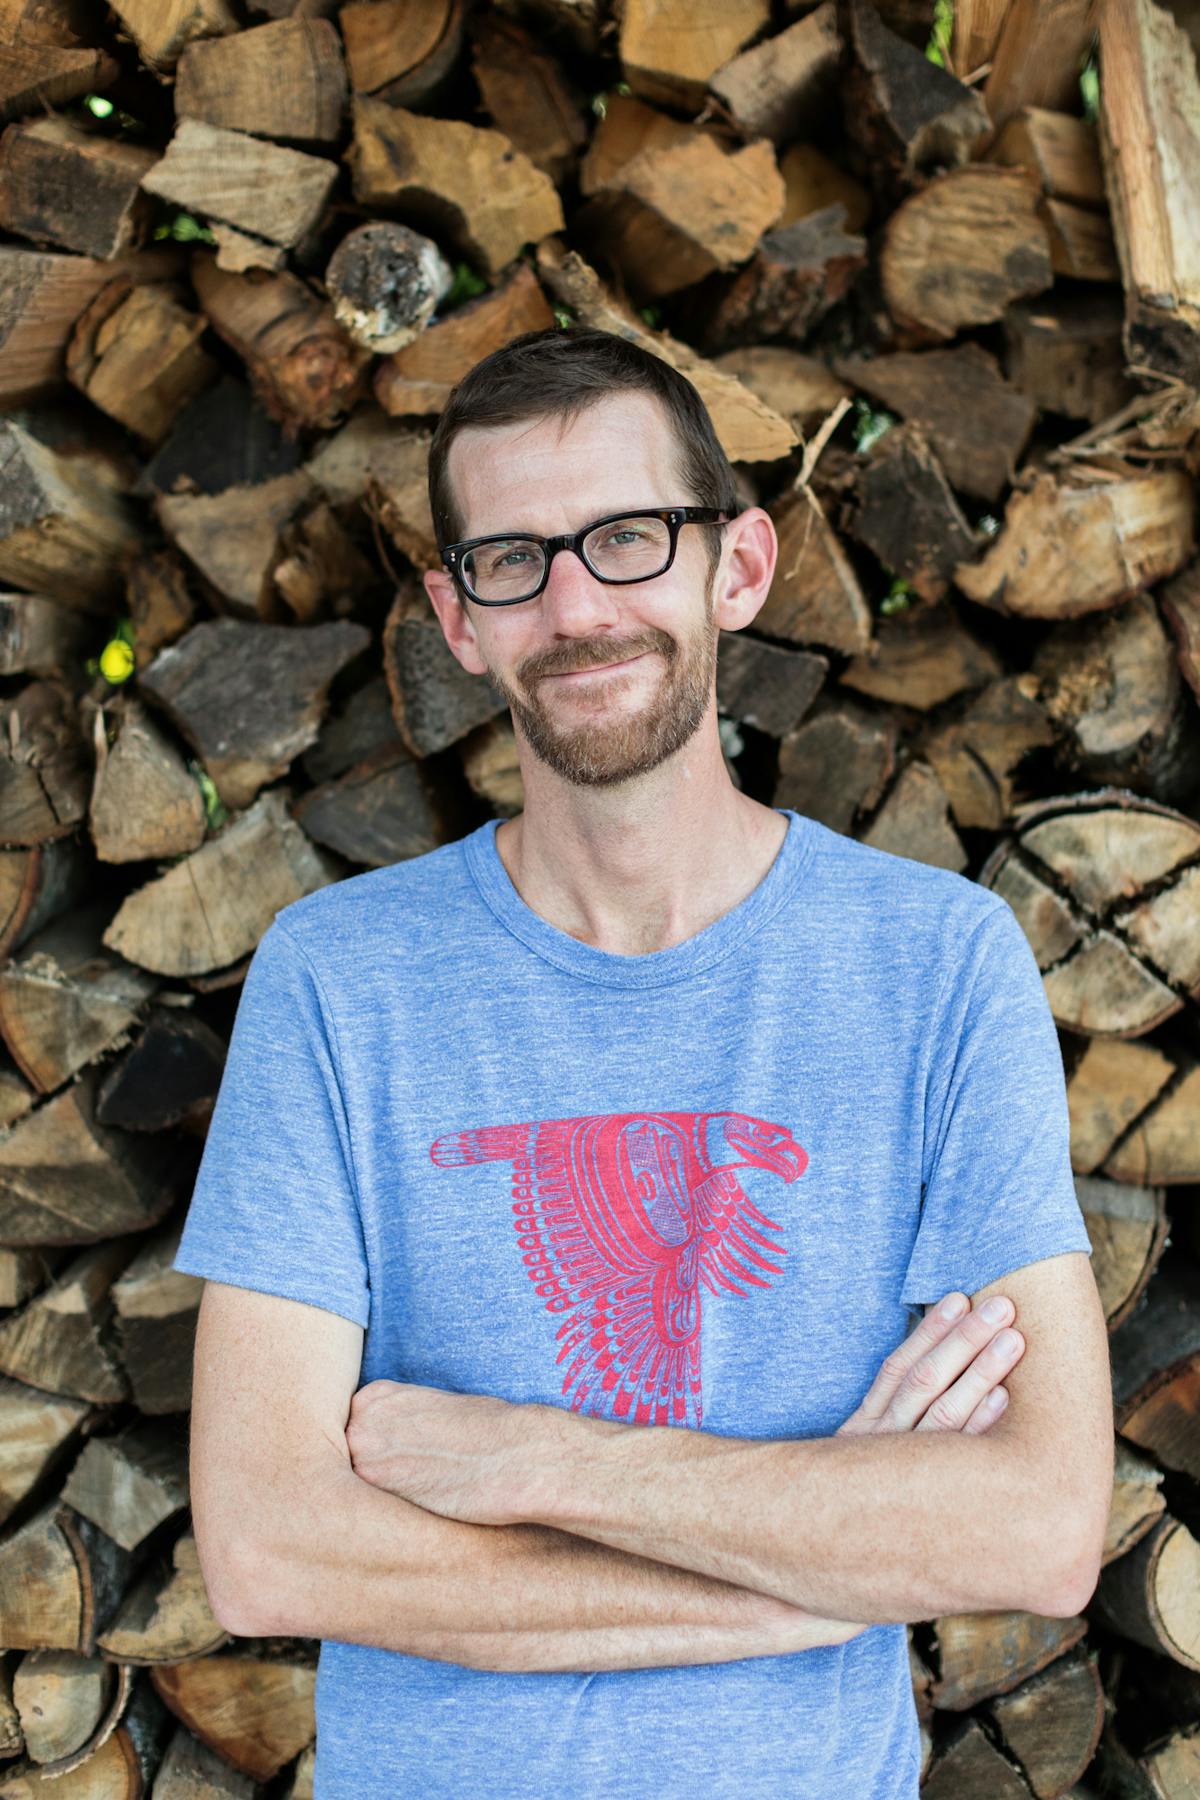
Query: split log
{"points": [[977, 424], [170, 1076], [1113, 963], [921, 658], [37, 1432], [128, 1748], [1150, 143], [670, 217], [627, 128], [781, 86], [67, 1179], [801, 387], [914, 821], [23, 1272], [36, 885], [131, 1484], [304, 369], [748, 430], [165, 1617], [527, 95], [62, 185], [162, 29], [1081, 242], [65, 1000], [815, 597], [1146, 1595], [670, 52], [904, 114], [41, 296], [398, 496], [811, 182], [40, 637], [1111, 1084], [60, 1581], [1156, 1368], [156, 1307], [61, 1698], [491, 766], [764, 685], [322, 570], [417, 379], [1112, 686], [1038, 54], [1164, 1144], [257, 1713], [1087, 542], [1050, 1725], [1061, 151], [796, 274], [145, 801], [1065, 353], [464, 181], [977, 26], [210, 909], [984, 1654], [434, 700], [968, 1762], [962, 249], [257, 187], [977, 756], [1181, 609], [43, 765], [400, 52], [1127, 1226], [235, 539], [61, 1340], [340, 467], [282, 80], [136, 353], [63, 532], [836, 764], [1137, 1501], [190, 1770], [362, 726], [225, 438], [33, 77], [386, 282], [249, 698], [906, 513], [379, 812]]}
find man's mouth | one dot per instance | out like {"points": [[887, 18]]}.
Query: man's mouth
{"points": [[575, 675]]}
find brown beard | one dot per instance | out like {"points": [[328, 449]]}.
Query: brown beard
{"points": [[605, 751]]}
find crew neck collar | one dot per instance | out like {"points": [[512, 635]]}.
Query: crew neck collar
{"points": [[656, 968]]}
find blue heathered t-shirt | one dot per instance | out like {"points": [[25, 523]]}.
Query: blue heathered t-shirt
{"points": [[698, 1188]]}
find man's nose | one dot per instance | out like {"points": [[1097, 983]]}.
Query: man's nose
{"points": [[574, 599]]}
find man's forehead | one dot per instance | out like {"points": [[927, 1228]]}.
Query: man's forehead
{"points": [[620, 451]]}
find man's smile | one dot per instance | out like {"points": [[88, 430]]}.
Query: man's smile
{"points": [[574, 675]]}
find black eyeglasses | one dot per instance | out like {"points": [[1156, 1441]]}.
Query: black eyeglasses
{"points": [[502, 570]]}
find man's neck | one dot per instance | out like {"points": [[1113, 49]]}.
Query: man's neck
{"points": [[642, 866]]}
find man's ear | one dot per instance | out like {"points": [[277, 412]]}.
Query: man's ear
{"points": [[750, 552], [455, 619]]}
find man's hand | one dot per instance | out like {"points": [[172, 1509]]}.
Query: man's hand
{"points": [[473, 1457], [947, 1375]]}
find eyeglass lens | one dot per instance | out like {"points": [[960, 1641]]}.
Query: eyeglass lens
{"points": [[621, 550]]}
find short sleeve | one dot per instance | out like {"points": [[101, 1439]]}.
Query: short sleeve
{"points": [[274, 1205], [997, 1187]]}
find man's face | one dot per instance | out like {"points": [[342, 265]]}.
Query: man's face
{"points": [[605, 682]]}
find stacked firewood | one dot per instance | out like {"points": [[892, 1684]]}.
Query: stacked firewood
{"points": [[938, 283]]}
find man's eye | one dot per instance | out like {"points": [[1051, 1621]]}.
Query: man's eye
{"points": [[509, 559]]}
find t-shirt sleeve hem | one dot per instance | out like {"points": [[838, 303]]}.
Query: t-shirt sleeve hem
{"points": [[357, 1311], [995, 1268]]}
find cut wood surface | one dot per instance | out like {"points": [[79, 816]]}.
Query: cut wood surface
{"points": [[262, 188], [962, 248], [285, 79]]}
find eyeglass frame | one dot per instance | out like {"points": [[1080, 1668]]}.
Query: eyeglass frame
{"points": [[674, 517]]}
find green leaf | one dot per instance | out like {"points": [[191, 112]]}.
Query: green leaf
{"points": [[897, 599], [466, 285], [563, 316], [652, 316], [1089, 88], [98, 105], [870, 424], [215, 810], [941, 34]]}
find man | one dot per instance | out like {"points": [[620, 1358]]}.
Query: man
{"points": [[570, 1188]]}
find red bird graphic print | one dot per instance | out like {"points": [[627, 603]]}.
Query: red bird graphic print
{"points": [[619, 1218]]}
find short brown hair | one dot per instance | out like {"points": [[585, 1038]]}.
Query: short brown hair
{"points": [[559, 372]]}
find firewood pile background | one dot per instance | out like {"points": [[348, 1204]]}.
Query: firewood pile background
{"points": [[936, 273]]}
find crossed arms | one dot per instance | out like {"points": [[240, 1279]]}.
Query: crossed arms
{"points": [[501, 1536]]}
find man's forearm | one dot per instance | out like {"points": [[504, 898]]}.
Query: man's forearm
{"points": [[876, 1528], [353, 1563]]}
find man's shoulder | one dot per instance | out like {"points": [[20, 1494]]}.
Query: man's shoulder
{"points": [[897, 890], [398, 903]]}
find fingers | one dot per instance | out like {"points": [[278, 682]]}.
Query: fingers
{"points": [[955, 1403], [986, 1413], [937, 1325]]}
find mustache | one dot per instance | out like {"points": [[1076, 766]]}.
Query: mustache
{"points": [[594, 653]]}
